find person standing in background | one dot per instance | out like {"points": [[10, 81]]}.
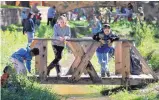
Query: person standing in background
{"points": [[29, 27], [95, 25], [51, 15], [23, 17], [35, 10]]}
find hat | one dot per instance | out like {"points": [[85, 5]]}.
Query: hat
{"points": [[106, 26]]}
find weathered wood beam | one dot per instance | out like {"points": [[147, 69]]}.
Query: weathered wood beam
{"points": [[65, 6], [85, 60], [125, 60], [112, 80], [145, 66]]}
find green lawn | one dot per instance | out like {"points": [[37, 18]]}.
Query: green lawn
{"points": [[12, 40]]}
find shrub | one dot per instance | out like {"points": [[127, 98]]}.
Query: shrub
{"points": [[22, 88], [154, 61]]}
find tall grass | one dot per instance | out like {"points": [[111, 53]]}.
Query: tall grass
{"points": [[21, 88]]}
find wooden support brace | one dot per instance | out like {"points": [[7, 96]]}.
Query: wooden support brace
{"points": [[78, 52], [85, 60], [92, 73], [146, 69]]}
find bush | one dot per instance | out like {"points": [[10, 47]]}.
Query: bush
{"points": [[22, 88], [154, 61]]}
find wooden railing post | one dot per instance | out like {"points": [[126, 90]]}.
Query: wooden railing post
{"points": [[41, 59], [122, 58]]}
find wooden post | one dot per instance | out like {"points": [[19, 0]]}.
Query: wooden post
{"points": [[41, 60], [36, 44], [125, 59], [118, 57], [122, 58]]}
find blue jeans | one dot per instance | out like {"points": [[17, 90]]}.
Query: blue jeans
{"points": [[30, 36], [103, 61]]}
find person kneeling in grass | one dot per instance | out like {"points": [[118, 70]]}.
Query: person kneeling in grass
{"points": [[23, 54], [106, 38]]}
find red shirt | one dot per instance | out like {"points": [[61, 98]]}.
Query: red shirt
{"points": [[4, 78]]}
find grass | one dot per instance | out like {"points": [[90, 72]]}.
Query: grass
{"points": [[21, 88], [9, 6], [146, 43], [150, 92]]}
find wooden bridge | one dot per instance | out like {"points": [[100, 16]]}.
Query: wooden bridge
{"points": [[82, 65]]}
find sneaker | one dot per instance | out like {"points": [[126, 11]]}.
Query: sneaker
{"points": [[108, 74], [103, 75]]}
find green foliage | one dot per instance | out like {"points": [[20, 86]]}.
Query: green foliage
{"points": [[78, 23], [123, 95], [154, 61], [145, 36], [44, 31], [20, 87], [148, 93], [9, 6], [12, 28], [11, 42], [147, 44]]}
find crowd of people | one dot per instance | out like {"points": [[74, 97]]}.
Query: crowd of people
{"points": [[124, 11]]}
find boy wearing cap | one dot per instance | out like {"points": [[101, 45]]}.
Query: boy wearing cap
{"points": [[106, 38]]}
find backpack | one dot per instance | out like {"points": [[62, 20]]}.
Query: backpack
{"points": [[135, 64]]}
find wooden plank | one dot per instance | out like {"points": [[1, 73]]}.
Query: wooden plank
{"points": [[78, 53], [145, 66], [118, 57], [85, 45], [125, 60], [36, 44], [92, 73], [43, 60], [82, 49], [85, 60], [79, 39], [105, 81]]}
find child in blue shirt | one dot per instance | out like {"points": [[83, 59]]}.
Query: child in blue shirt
{"points": [[106, 38], [23, 54]]}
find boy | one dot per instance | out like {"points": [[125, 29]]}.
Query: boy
{"points": [[106, 38], [5, 76], [22, 54]]}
